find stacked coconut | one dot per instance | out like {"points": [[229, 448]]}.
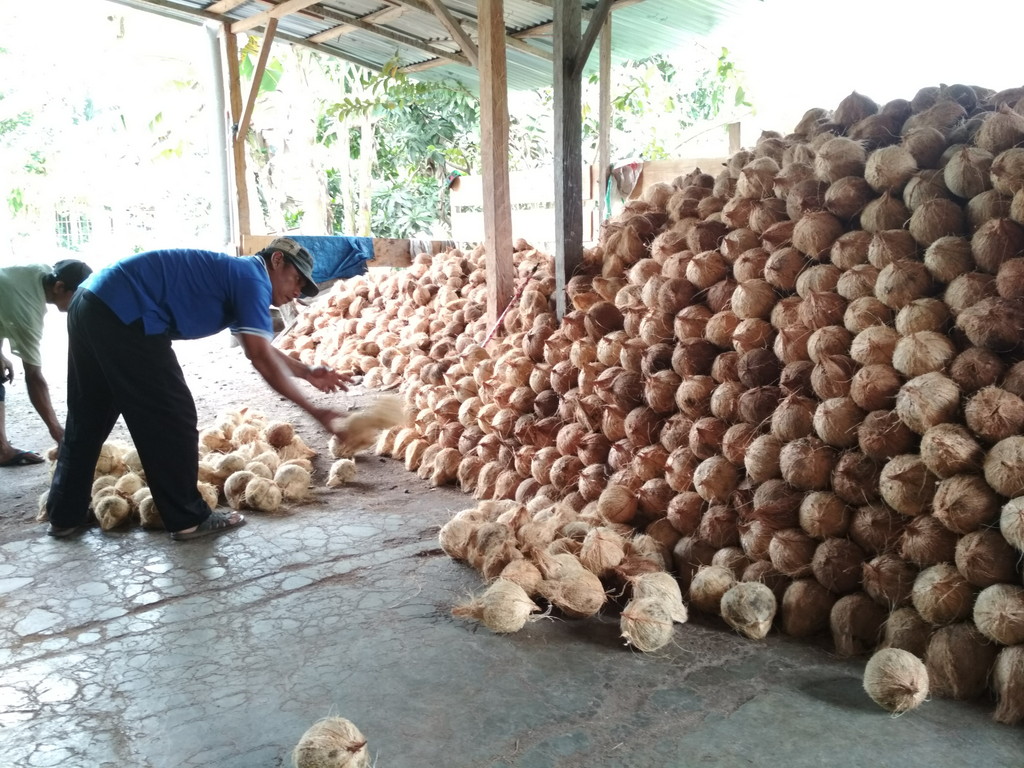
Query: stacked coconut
{"points": [[804, 372], [245, 460]]}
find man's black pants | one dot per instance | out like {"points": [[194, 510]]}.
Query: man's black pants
{"points": [[116, 369]]}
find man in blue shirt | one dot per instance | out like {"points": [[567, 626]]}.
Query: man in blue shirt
{"points": [[120, 362]]}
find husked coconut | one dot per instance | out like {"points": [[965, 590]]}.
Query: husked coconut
{"points": [[896, 680], [749, 607]]}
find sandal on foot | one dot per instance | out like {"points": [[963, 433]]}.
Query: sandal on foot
{"points": [[22, 459], [63, 533], [217, 522]]}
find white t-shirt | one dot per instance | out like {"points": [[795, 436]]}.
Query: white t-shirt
{"points": [[22, 309]]}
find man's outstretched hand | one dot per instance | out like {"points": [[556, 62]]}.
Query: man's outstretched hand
{"points": [[327, 379]]}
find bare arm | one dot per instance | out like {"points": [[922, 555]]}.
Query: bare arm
{"points": [[39, 395], [280, 372]]}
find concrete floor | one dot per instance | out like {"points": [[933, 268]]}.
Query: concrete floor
{"points": [[132, 650]]}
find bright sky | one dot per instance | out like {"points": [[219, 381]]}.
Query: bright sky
{"points": [[798, 54]]}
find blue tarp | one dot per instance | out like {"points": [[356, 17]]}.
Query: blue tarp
{"points": [[337, 256]]}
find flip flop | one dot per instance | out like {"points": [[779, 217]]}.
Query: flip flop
{"points": [[23, 458], [217, 522]]}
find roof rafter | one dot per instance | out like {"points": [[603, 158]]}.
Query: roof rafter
{"points": [[384, 14], [458, 34], [260, 19]]}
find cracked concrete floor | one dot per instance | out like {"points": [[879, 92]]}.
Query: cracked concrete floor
{"points": [[129, 649]]}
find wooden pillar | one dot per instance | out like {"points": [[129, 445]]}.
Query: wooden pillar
{"points": [[236, 149], [568, 152], [494, 156], [605, 118]]}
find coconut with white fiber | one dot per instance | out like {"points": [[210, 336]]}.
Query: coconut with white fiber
{"points": [[112, 511], [646, 624], [923, 352], [1011, 522], [999, 613], [149, 515], [959, 661], [1008, 684], [358, 431], [602, 550], [504, 607], [262, 495], [333, 742], [927, 400], [342, 471], [234, 488], [663, 587], [293, 481], [942, 595], [896, 680], [749, 607]]}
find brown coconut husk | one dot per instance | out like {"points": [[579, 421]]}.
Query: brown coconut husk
{"points": [[874, 345], [876, 528], [807, 464], [942, 595], [993, 414], [975, 368], [856, 477], [959, 661], [1008, 684], [708, 585], [949, 449], [837, 565], [873, 388], [851, 249], [907, 630], [806, 607], [855, 283], [965, 502], [865, 312], [926, 542], [823, 515], [884, 213], [856, 623], [889, 580], [906, 485], [995, 242], [791, 551], [985, 558], [896, 680]]}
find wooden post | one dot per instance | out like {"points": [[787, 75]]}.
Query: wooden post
{"points": [[494, 156], [236, 150], [568, 158], [604, 120]]}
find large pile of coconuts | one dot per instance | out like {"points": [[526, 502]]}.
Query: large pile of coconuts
{"points": [[789, 392]]}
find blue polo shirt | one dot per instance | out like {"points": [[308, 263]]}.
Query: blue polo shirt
{"points": [[188, 294]]}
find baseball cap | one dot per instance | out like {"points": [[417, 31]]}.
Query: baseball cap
{"points": [[71, 272], [299, 258]]}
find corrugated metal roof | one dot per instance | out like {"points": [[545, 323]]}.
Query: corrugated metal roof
{"points": [[381, 30]]}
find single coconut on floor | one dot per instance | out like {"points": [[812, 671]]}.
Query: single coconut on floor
{"points": [[333, 742]]}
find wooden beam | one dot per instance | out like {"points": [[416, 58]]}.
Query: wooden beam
{"points": [[236, 150], [385, 14], [568, 160], [257, 77], [494, 157], [456, 31], [223, 6], [546, 30], [597, 19], [604, 120], [277, 12], [410, 42]]}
